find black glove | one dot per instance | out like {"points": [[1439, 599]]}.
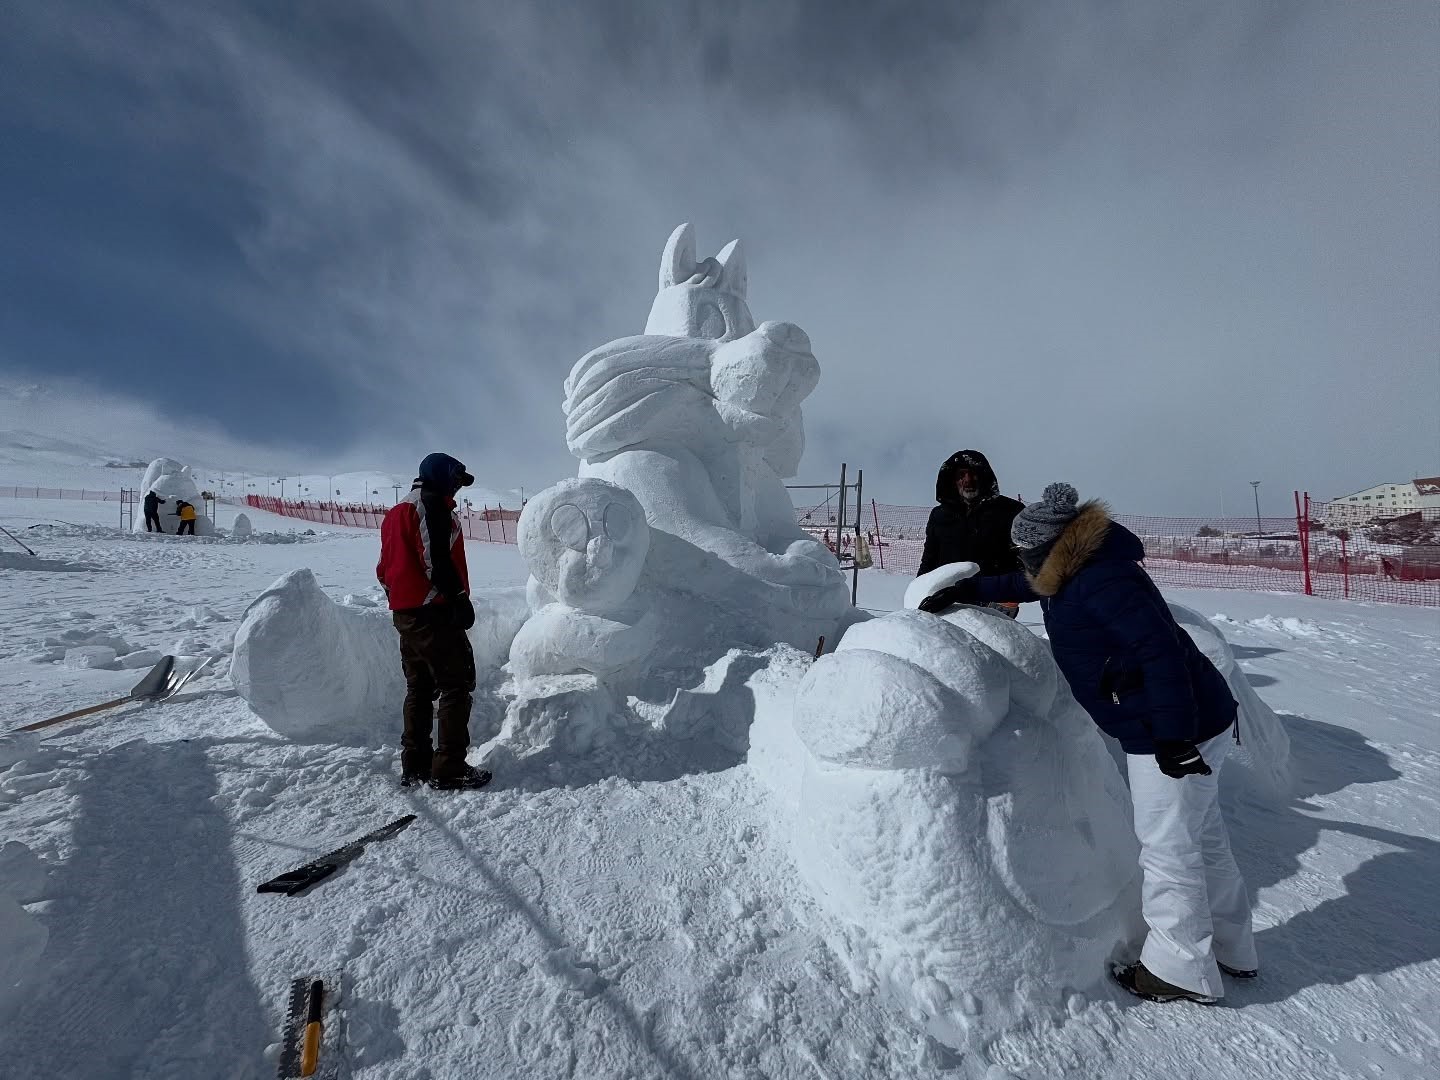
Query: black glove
{"points": [[462, 611], [962, 592], [1179, 759]]}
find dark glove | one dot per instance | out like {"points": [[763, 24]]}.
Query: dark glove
{"points": [[962, 592], [462, 611], [1179, 759]]}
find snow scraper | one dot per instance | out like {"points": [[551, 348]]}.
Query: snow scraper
{"points": [[160, 682], [317, 870], [306, 1037]]}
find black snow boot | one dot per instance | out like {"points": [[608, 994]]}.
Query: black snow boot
{"points": [[1139, 981], [414, 779], [1238, 973], [470, 779]]}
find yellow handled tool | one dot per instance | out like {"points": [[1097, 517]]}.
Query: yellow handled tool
{"points": [[314, 1028]]}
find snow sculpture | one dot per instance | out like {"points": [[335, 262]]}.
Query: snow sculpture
{"points": [[242, 527], [585, 541], [960, 818], [173, 481], [700, 419], [1263, 755], [314, 669]]}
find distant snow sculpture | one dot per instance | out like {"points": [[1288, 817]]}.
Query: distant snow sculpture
{"points": [[173, 482], [699, 420], [242, 526]]}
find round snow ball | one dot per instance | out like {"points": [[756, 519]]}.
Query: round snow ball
{"points": [[868, 709]]}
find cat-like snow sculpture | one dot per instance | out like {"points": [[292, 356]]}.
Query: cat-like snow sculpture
{"points": [[699, 418]]}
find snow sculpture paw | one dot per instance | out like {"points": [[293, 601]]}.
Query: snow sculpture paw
{"points": [[962, 820], [311, 668], [314, 669]]}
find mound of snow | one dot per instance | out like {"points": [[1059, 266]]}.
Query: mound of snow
{"points": [[314, 669], [242, 526]]}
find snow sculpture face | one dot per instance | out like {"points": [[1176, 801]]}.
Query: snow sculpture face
{"points": [[702, 373], [585, 541], [700, 299]]}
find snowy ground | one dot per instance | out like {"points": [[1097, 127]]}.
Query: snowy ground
{"points": [[640, 925]]}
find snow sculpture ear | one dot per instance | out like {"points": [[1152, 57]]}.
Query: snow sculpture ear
{"points": [[678, 262], [733, 278]]}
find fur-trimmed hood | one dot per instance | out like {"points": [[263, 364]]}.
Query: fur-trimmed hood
{"points": [[1090, 536]]}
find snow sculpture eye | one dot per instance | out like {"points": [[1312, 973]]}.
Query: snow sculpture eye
{"points": [[711, 322], [617, 522], [570, 526]]}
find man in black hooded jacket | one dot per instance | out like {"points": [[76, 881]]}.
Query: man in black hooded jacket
{"points": [[972, 522]]}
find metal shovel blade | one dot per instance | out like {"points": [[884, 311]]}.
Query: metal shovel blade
{"points": [[156, 681]]}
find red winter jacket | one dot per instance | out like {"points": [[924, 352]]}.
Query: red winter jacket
{"points": [[422, 552]]}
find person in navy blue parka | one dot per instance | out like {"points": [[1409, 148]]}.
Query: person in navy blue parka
{"points": [[1145, 683]]}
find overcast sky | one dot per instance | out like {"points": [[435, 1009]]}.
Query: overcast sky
{"points": [[1156, 248]]}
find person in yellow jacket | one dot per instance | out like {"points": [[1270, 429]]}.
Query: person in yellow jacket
{"points": [[187, 517]]}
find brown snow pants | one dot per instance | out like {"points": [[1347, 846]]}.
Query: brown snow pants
{"points": [[438, 663]]}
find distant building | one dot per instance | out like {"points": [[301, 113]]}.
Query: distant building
{"points": [[1385, 501]]}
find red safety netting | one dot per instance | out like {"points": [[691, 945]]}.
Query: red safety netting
{"points": [[1319, 551], [493, 524]]}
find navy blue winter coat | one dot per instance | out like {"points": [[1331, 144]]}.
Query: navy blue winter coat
{"points": [[1128, 662]]}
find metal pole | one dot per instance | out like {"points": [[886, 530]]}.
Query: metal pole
{"points": [[855, 554], [879, 547], [1255, 487], [840, 524]]}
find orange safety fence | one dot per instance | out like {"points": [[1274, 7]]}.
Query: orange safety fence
{"points": [[1323, 550], [1319, 551], [492, 524]]}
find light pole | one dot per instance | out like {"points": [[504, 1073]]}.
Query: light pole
{"points": [[397, 492], [1255, 487]]}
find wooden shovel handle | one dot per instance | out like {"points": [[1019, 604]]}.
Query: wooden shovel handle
{"points": [[74, 715]]}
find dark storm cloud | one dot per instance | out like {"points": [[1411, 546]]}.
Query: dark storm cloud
{"points": [[1159, 248]]}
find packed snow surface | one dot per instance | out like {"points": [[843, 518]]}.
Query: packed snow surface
{"points": [[639, 910]]}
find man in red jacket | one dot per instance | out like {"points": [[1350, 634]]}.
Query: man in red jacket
{"points": [[422, 568]]}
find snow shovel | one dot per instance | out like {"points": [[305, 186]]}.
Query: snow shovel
{"points": [[159, 683]]}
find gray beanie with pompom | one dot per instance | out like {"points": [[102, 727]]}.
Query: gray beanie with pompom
{"points": [[1041, 522]]}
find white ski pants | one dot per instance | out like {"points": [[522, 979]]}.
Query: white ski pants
{"points": [[1193, 897]]}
